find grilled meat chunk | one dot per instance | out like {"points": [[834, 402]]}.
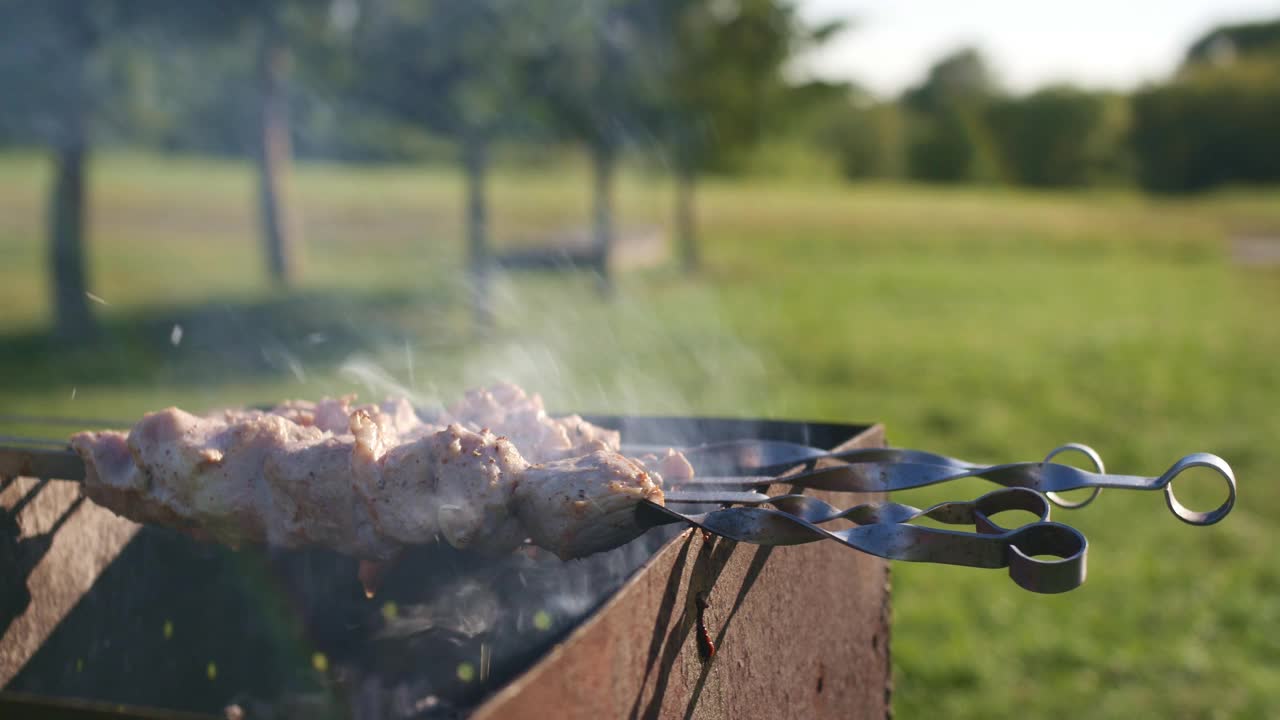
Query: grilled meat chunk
{"points": [[455, 482], [579, 506], [366, 480], [256, 478]]}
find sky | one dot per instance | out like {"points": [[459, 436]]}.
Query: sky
{"points": [[1093, 43]]}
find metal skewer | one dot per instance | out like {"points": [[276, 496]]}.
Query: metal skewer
{"points": [[1045, 477], [768, 458], [872, 471], [883, 530]]}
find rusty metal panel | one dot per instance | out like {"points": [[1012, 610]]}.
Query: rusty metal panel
{"points": [[54, 547], [799, 631]]}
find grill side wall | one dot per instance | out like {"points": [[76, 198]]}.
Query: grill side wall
{"points": [[800, 631]]}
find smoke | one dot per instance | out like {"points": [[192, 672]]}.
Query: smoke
{"points": [[377, 380], [636, 353], [639, 352]]}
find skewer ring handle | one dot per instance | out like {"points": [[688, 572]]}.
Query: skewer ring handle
{"points": [[1206, 460], [1002, 500], [1098, 467], [1069, 548]]}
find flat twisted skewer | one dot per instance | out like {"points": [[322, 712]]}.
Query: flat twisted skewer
{"points": [[772, 457], [883, 530], [878, 470]]}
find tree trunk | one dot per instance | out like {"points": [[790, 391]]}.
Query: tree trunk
{"points": [[275, 152], [72, 317], [475, 163], [604, 162], [685, 222]]}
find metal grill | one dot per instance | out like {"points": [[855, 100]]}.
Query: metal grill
{"points": [[289, 632]]}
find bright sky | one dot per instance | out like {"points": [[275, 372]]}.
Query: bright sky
{"points": [[1095, 43]]}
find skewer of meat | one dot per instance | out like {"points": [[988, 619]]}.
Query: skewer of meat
{"points": [[367, 480]]}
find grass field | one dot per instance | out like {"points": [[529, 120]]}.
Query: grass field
{"points": [[985, 323]]}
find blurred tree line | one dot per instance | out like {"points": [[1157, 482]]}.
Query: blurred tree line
{"points": [[700, 86], [1215, 122]]}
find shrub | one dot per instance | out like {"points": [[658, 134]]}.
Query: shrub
{"points": [[1210, 126], [1050, 138]]}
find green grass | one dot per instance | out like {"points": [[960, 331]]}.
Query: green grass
{"points": [[986, 323]]}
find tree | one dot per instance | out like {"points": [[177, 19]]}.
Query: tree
{"points": [[274, 154], [1050, 138], [48, 54], [724, 86], [595, 78], [945, 110], [275, 26], [454, 67], [865, 135], [941, 148], [1208, 127], [1225, 44], [1214, 122], [958, 79]]}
